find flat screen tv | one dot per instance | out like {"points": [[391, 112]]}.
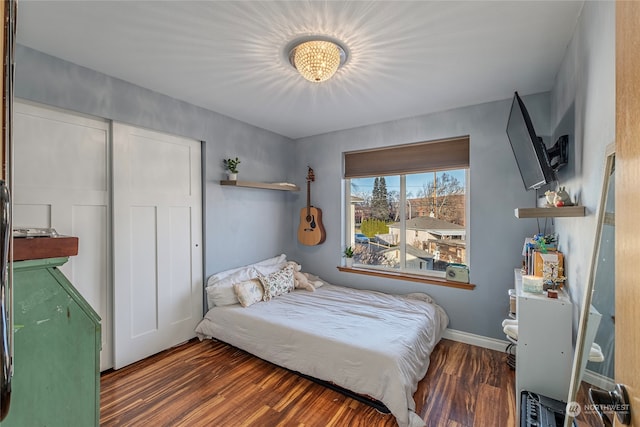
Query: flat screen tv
{"points": [[529, 149]]}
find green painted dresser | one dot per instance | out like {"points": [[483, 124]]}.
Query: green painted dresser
{"points": [[56, 377]]}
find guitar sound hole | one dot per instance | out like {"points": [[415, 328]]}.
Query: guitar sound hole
{"points": [[311, 220]]}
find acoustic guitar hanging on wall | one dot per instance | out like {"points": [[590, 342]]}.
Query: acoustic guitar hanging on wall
{"points": [[310, 231]]}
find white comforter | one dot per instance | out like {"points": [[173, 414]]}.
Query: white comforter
{"points": [[368, 342]]}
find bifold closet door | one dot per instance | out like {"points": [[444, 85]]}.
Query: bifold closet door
{"points": [[157, 223]]}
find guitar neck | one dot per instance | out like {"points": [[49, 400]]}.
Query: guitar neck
{"points": [[308, 197]]}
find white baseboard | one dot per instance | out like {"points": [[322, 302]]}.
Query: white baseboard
{"points": [[473, 339]]}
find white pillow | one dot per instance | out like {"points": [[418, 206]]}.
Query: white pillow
{"points": [[221, 293], [223, 274], [265, 270]]}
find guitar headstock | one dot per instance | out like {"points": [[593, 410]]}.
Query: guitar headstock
{"points": [[310, 175]]}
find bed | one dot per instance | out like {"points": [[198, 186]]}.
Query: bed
{"points": [[371, 343]]}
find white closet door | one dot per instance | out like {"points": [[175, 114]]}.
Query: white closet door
{"points": [[61, 180], [157, 227]]}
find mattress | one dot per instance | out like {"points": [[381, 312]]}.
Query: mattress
{"points": [[368, 342]]}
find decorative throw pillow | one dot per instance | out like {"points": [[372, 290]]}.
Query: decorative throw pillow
{"points": [[221, 293], [249, 292], [277, 283]]}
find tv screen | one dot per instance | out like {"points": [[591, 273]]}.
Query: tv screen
{"points": [[528, 149]]}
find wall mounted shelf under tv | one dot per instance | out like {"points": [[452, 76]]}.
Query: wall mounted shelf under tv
{"points": [[551, 212], [263, 185]]}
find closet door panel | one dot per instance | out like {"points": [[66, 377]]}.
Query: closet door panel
{"points": [[32, 215], [60, 151], [159, 169], [91, 267], [62, 180], [180, 275], [157, 241], [144, 278]]}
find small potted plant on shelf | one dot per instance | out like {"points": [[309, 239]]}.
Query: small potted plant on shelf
{"points": [[348, 255], [231, 165]]}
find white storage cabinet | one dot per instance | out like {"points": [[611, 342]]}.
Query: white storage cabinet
{"points": [[544, 353]]}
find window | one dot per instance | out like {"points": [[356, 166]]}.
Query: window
{"points": [[414, 219]]}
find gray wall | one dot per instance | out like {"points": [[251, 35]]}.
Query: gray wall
{"points": [[241, 225], [496, 235], [585, 88]]}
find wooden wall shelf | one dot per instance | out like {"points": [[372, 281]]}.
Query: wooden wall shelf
{"points": [[261, 185], [565, 211]]}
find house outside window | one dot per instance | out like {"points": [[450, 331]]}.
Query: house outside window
{"points": [[416, 222]]}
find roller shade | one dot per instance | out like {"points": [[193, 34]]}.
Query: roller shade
{"points": [[443, 154]]}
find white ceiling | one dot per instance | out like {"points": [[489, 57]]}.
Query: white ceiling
{"points": [[407, 58]]}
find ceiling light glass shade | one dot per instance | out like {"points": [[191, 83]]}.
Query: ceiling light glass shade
{"points": [[317, 60]]}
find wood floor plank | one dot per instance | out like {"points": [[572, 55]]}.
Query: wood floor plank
{"points": [[492, 406], [208, 383]]}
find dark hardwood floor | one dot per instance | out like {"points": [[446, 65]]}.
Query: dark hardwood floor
{"points": [[212, 384]]}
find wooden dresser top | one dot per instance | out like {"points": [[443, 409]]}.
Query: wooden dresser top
{"points": [[27, 248]]}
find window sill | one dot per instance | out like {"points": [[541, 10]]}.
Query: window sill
{"points": [[409, 277]]}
